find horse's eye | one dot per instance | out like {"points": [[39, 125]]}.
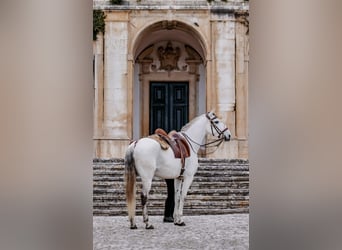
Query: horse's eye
{"points": [[216, 122]]}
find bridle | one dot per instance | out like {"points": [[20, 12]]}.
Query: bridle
{"points": [[209, 144], [213, 125]]}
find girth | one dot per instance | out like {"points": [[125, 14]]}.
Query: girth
{"points": [[177, 142]]}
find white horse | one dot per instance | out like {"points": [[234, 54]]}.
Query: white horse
{"points": [[146, 158]]}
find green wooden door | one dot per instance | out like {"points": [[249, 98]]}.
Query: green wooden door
{"points": [[169, 105]]}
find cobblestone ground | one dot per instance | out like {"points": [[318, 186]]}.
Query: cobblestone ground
{"points": [[201, 232]]}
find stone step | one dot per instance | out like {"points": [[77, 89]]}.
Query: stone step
{"points": [[186, 212], [191, 196], [196, 179], [161, 187], [120, 161], [161, 200], [191, 191], [219, 187], [161, 184], [188, 202], [119, 175], [204, 166], [200, 168]]}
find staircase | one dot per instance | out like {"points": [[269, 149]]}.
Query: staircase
{"points": [[219, 187]]}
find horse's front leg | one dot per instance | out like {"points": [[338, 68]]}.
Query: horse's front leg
{"points": [[182, 187], [144, 196], [178, 187]]}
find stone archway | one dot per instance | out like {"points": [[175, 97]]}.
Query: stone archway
{"points": [[167, 51]]}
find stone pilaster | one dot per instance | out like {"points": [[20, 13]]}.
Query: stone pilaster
{"points": [[223, 77], [98, 86], [115, 77], [224, 68], [242, 59]]}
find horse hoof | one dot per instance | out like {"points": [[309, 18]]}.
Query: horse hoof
{"points": [[180, 224], [134, 227], [149, 227]]}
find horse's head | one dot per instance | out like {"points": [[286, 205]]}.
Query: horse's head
{"points": [[217, 128]]}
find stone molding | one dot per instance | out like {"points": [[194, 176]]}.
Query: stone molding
{"points": [[172, 4], [167, 58]]}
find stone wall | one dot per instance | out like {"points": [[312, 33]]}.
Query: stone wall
{"points": [[217, 31]]}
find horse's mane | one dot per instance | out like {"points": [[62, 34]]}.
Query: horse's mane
{"points": [[186, 126]]}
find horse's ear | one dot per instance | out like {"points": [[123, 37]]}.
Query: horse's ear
{"points": [[211, 111]]}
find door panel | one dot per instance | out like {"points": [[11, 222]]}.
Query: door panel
{"points": [[169, 105]]}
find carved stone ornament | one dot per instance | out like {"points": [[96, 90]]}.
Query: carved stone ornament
{"points": [[145, 60], [168, 57], [192, 53], [193, 59]]}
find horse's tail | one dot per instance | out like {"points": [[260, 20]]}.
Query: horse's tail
{"points": [[130, 180]]}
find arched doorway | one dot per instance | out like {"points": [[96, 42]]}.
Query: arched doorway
{"points": [[169, 77]]}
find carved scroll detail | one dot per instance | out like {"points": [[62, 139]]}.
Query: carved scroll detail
{"points": [[193, 59], [192, 53], [145, 59]]}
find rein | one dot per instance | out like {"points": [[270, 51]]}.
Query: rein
{"points": [[209, 144], [205, 145]]}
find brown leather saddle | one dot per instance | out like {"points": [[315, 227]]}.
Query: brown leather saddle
{"points": [[177, 142]]}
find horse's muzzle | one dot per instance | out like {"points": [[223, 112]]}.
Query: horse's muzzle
{"points": [[227, 137]]}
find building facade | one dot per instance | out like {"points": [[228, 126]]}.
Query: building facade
{"points": [[162, 63]]}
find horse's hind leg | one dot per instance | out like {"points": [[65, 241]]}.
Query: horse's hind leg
{"points": [[146, 187]]}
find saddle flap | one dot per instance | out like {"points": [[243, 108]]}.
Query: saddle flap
{"points": [[176, 141], [182, 145]]}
